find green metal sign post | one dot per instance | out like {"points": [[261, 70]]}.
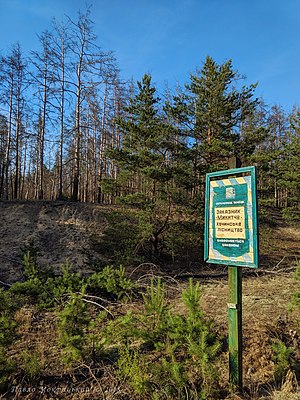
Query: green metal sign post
{"points": [[235, 338], [231, 238]]}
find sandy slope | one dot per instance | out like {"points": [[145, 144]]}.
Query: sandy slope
{"points": [[59, 230]]}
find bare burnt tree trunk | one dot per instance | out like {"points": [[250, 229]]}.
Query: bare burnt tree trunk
{"points": [[17, 153], [20, 75], [42, 137], [77, 149], [8, 142], [44, 83], [61, 49], [62, 120], [102, 146]]}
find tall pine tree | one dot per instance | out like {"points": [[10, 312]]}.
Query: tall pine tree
{"points": [[208, 116], [144, 159]]}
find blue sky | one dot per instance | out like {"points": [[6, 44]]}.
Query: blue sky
{"points": [[171, 38]]}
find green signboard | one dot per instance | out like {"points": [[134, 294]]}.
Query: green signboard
{"points": [[231, 235]]}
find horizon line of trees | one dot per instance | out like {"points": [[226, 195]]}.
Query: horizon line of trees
{"points": [[71, 128]]}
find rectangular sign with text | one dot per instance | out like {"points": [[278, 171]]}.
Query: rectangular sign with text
{"points": [[231, 234]]}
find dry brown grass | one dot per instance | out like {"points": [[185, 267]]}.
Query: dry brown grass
{"points": [[265, 315]]}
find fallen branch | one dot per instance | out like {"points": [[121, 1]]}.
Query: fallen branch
{"points": [[95, 379], [277, 265], [5, 284], [98, 305], [95, 297]]}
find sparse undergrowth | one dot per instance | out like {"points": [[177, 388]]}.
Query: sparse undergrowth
{"points": [[164, 354], [106, 336]]}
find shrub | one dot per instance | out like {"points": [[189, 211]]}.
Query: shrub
{"points": [[43, 290], [46, 290], [296, 296], [7, 336], [7, 303], [119, 239], [110, 282], [174, 353], [285, 348], [7, 367], [291, 214], [182, 240], [7, 322], [130, 367], [283, 357], [72, 322], [31, 364]]}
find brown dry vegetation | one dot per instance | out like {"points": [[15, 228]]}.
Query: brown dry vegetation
{"points": [[265, 317], [61, 229]]}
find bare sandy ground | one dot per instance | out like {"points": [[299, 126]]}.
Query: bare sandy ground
{"points": [[60, 231]]}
